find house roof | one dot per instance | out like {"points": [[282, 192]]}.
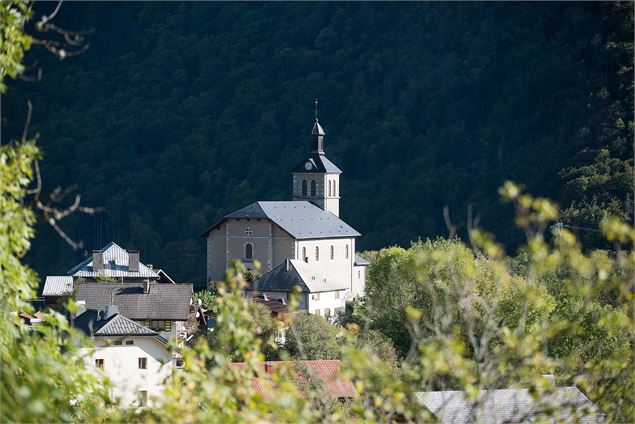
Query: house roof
{"points": [[295, 272], [163, 301], [320, 165], [566, 404], [301, 219], [359, 261], [276, 306], [115, 265], [94, 323], [57, 285], [324, 370]]}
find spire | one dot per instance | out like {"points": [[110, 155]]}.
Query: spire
{"points": [[317, 134]]}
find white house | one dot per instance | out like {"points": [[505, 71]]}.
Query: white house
{"points": [[135, 359], [307, 229]]}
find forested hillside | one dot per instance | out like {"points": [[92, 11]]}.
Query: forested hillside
{"points": [[180, 113]]}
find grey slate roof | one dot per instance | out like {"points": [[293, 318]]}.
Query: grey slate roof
{"points": [[57, 285], [301, 219], [162, 302], [116, 325], [562, 404], [295, 272], [321, 164], [115, 265], [359, 261]]}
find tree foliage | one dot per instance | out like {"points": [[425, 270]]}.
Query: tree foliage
{"points": [[179, 114]]}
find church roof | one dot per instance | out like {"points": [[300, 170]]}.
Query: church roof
{"points": [[295, 272], [317, 129], [320, 164], [301, 219]]}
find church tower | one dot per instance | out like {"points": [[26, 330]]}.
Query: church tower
{"points": [[317, 179]]}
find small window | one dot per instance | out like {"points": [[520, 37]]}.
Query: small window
{"points": [[178, 362], [143, 363], [129, 342], [332, 252], [346, 251], [99, 363], [317, 253], [359, 274], [168, 326], [304, 186], [337, 294], [143, 397], [304, 256], [334, 194], [249, 231], [327, 312], [313, 188], [249, 251], [146, 324], [317, 312], [118, 342], [329, 188]]}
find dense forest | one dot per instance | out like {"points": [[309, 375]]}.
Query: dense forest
{"points": [[180, 113]]}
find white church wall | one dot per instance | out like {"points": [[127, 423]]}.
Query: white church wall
{"points": [[359, 280], [340, 267], [240, 232]]}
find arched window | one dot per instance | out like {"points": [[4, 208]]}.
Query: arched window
{"points": [[332, 252], [249, 251], [334, 192], [347, 251], [304, 256], [304, 187], [329, 188], [317, 253], [313, 188]]}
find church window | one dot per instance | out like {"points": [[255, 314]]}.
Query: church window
{"points": [[249, 231], [304, 256], [249, 251], [329, 188], [304, 189], [332, 252], [317, 253], [334, 194], [313, 188], [359, 275], [346, 252]]}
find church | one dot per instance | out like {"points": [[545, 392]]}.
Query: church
{"points": [[301, 242]]}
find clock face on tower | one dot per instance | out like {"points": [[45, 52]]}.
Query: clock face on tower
{"points": [[308, 166]]}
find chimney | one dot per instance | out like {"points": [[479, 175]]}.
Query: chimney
{"points": [[98, 261], [287, 264], [81, 308], [133, 260], [146, 287], [268, 367]]}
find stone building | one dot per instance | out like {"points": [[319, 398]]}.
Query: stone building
{"points": [[283, 233]]}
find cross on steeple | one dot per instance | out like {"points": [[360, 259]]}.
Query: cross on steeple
{"points": [[316, 110]]}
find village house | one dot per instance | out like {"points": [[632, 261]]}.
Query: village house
{"points": [[301, 242], [114, 275], [136, 360]]}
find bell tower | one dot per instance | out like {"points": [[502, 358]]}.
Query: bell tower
{"points": [[317, 179]]}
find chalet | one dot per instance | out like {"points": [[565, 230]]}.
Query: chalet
{"points": [[136, 360]]}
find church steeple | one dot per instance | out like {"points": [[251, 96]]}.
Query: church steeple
{"points": [[317, 134], [316, 179]]}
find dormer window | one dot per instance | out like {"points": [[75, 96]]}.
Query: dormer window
{"points": [[249, 231]]}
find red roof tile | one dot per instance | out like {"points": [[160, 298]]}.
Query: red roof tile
{"points": [[326, 370]]}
